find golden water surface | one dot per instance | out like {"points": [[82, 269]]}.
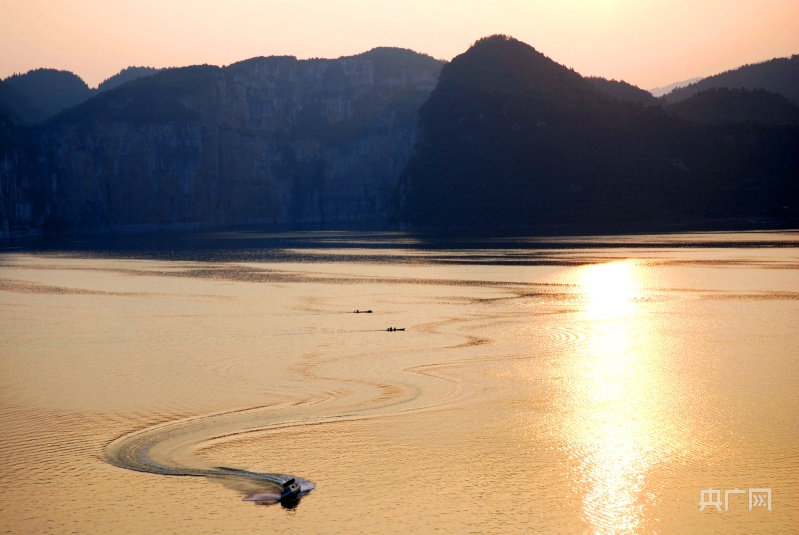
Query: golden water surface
{"points": [[580, 385]]}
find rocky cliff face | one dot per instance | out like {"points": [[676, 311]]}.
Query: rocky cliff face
{"points": [[266, 140], [18, 188]]}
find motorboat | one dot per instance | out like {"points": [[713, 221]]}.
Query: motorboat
{"points": [[291, 489]]}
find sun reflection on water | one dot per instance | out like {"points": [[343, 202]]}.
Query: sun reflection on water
{"points": [[614, 395], [608, 290]]}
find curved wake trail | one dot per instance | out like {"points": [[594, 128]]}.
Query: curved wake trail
{"points": [[166, 450]]}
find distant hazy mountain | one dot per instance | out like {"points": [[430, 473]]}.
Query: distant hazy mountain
{"points": [[39, 94], [510, 139], [779, 75], [125, 75], [666, 89], [621, 90]]}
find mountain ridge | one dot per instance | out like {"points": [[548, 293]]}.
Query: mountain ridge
{"points": [[268, 140], [778, 75], [500, 137], [566, 153]]}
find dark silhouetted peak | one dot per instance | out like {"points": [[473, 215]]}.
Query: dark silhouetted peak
{"points": [[500, 63], [504, 81], [779, 75], [125, 75], [723, 105], [510, 139], [39, 94], [621, 90]]}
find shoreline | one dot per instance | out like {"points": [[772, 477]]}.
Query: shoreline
{"points": [[33, 240]]}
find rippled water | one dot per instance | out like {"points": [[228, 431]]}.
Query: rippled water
{"points": [[557, 385]]}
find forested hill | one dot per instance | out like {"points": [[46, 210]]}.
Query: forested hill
{"points": [[38, 95], [510, 138], [780, 75], [127, 74], [623, 91], [723, 105]]}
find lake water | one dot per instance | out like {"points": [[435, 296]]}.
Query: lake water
{"points": [[548, 385]]}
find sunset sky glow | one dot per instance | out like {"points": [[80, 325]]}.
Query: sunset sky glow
{"points": [[645, 42]]}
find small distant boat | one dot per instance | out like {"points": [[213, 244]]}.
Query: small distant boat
{"points": [[291, 489], [393, 329]]}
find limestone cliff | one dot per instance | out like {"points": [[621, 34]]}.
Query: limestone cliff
{"points": [[266, 140]]}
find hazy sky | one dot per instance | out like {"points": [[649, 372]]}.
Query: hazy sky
{"points": [[645, 42]]}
